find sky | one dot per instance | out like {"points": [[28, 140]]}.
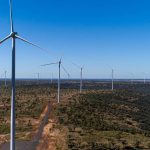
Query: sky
{"points": [[97, 34]]}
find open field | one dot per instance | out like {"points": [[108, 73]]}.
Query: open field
{"points": [[96, 119]]}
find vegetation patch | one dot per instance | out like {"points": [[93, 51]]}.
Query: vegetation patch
{"points": [[107, 120]]}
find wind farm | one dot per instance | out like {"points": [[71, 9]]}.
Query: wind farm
{"points": [[74, 102]]}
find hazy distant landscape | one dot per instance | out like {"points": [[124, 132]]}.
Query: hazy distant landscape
{"points": [[99, 118]]}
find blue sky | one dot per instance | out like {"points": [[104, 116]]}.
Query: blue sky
{"points": [[99, 34]]}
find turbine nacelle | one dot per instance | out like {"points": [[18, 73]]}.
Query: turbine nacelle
{"points": [[13, 34], [60, 61]]}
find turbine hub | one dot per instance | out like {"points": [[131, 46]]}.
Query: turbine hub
{"points": [[13, 34]]}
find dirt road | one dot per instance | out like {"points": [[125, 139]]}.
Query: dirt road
{"points": [[21, 145]]}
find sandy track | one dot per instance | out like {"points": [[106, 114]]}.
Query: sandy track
{"points": [[53, 138]]}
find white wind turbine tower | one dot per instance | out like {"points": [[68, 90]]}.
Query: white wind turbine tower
{"points": [[38, 77], [132, 76], [144, 79], [13, 35], [112, 77], [51, 78], [81, 75], [81, 78], [112, 80], [59, 67], [5, 79]]}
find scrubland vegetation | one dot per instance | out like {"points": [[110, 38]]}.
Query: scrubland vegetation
{"points": [[107, 120], [30, 102], [97, 119]]}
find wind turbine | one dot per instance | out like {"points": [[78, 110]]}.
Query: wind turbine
{"points": [[81, 83], [59, 63], [14, 35], [38, 77], [51, 78], [112, 80], [5, 79], [144, 79], [112, 77], [81, 75], [132, 76]]}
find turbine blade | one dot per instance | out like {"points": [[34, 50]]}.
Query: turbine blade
{"points": [[11, 18], [24, 40], [6, 38], [76, 65], [82, 67], [65, 70], [61, 58], [49, 64]]}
